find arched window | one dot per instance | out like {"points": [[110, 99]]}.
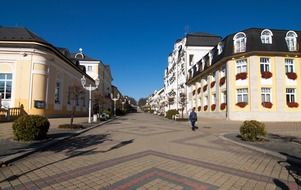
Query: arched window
{"points": [[219, 48], [266, 36], [240, 42], [291, 40]]}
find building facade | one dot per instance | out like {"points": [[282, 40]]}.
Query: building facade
{"points": [[39, 77], [252, 74], [186, 53]]}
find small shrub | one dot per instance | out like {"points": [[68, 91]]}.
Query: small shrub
{"points": [[73, 126], [109, 113], [30, 127], [252, 130], [171, 113]]}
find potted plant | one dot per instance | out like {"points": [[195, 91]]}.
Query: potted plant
{"points": [[267, 104], [205, 108], [291, 75], [199, 108], [205, 88], [199, 90], [212, 84], [213, 107], [222, 81], [266, 74], [292, 104], [241, 76], [242, 104], [223, 106]]}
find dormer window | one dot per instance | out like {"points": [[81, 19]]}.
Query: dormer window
{"points": [[266, 36], [203, 64], [240, 42], [210, 58], [291, 40], [219, 48]]}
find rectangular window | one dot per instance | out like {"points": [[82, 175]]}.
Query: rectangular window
{"points": [[289, 66], [242, 95], [266, 95], [57, 93], [206, 100], [6, 85], [241, 66], [89, 68], [213, 99], [264, 64], [290, 95], [224, 97]]}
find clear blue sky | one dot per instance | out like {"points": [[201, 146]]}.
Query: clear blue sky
{"points": [[135, 36]]}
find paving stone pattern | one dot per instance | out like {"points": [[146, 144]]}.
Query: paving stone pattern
{"points": [[143, 151]]}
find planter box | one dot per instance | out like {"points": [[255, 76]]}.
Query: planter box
{"points": [[242, 104], [266, 75], [222, 81], [223, 106], [291, 75], [241, 76], [267, 104]]}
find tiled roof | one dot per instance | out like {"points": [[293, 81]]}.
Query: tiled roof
{"points": [[202, 39], [19, 34]]}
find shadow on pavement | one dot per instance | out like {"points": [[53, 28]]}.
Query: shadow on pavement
{"points": [[293, 167], [76, 146]]}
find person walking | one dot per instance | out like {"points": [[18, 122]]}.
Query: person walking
{"points": [[193, 118]]}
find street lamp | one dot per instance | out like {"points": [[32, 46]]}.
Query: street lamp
{"points": [[123, 102], [115, 99], [90, 88]]}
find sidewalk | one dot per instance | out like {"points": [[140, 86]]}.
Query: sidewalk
{"points": [[11, 150]]}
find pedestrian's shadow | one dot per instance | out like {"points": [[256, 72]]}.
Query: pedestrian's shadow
{"points": [[73, 147], [293, 166]]}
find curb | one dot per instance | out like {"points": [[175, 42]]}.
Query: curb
{"points": [[262, 150], [5, 161]]}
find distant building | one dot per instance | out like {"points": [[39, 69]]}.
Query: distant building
{"points": [[252, 74], [186, 53]]}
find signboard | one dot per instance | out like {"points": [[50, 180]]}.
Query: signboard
{"points": [[39, 104]]}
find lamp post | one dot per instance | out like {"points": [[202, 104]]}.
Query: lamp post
{"points": [[123, 102], [90, 88], [115, 99]]}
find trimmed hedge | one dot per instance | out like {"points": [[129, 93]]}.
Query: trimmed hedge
{"points": [[252, 130], [171, 113], [31, 127]]}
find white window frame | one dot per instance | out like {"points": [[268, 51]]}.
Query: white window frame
{"points": [[89, 68], [191, 56], [266, 95], [266, 36], [291, 95], [241, 66], [6, 81], [242, 95], [291, 40], [240, 42], [265, 64], [210, 57], [289, 65]]}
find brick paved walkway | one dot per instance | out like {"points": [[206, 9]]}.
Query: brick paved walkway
{"points": [[142, 151]]}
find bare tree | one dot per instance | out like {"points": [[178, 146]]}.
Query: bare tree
{"points": [[75, 93], [99, 100]]}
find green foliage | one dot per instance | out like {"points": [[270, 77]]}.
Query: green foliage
{"points": [[171, 113], [109, 113], [252, 130], [31, 127]]}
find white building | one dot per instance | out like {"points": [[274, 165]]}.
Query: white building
{"points": [[186, 53]]}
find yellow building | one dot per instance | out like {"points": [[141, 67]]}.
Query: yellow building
{"points": [[252, 74], [39, 76]]}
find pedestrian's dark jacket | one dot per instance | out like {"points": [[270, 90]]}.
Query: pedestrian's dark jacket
{"points": [[193, 116]]}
